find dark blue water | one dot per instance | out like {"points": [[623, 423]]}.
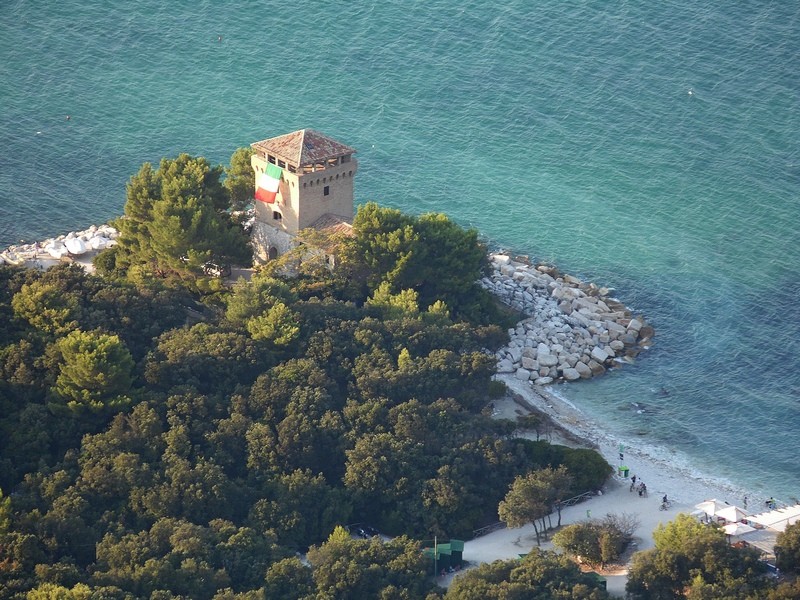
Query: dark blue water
{"points": [[650, 147]]}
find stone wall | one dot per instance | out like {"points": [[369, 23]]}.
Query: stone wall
{"points": [[263, 237], [571, 330]]}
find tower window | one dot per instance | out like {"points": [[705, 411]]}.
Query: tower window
{"points": [[326, 190], [276, 215]]}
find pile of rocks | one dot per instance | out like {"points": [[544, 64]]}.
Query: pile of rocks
{"points": [[572, 330], [63, 247]]}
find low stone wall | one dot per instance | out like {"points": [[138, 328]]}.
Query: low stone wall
{"points": [[571, 330]]}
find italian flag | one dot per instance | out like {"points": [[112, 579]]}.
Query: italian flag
{"points": [[267, 183]]}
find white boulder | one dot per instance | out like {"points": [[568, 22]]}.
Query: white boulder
{"points": [[522, 374], [599, 354]]}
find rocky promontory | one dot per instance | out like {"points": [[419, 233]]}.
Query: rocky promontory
{"points": [[571, 330]]}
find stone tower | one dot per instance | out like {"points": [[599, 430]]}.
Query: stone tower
{"points": [[303, 179]]}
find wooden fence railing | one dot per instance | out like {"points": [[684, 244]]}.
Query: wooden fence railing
{"points": [[575, 499], [476, 533]]}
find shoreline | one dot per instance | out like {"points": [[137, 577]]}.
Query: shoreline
{"points": [[660, 468], [569, 330], [572, 426], [656, 467]]}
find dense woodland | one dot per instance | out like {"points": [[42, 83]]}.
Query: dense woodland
{"points": [[167, 435]]}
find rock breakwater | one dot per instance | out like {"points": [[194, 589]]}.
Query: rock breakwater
{"points": [[571, 330], [67, 247]]}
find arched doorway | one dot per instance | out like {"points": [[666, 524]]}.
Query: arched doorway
{"points": [[273, 253]]}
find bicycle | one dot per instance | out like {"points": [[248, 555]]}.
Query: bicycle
{"points": [[665, 505]]}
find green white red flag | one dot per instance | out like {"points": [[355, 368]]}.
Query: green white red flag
{"points": [[267, 183]]}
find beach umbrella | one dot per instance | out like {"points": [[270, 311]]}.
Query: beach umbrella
{"points": [[734, 529], [710, 507], [732, 514]]}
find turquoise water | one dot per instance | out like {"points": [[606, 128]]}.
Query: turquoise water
{"points": [[650, 147]]}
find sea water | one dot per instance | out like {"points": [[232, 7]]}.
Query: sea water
{"points": [[651, 147]]}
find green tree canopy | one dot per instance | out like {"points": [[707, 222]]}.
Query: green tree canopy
{"points": [[597, 542], [691, 559], [95, 373], [540, 575], [47, 307], [533, 497], [240, 179], [175, 220], [206, 357], [787, 549], [346, 568], [430, 255]]}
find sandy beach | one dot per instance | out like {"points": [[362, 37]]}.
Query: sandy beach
{"points": [[572, 427], [661, 469]]}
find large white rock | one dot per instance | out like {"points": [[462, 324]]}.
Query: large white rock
{"points": [[56, 249], [505, 366], [529, 363], [522, 374], [614, 327], [596, 367], [599, 354], [501, 259], [98, 242], [583, 370], [580, 319], [588, 303], [75, 245], [571, 374], [616, 345], [507, 270], [547, 360]]}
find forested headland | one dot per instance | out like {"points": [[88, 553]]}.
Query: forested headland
{"points": [[165, 435]]}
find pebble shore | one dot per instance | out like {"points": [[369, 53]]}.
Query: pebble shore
{"points": [[570, 330]]}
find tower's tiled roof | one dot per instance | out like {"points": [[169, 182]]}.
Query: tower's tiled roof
{"points": [[330, 223], [303, 147]]}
